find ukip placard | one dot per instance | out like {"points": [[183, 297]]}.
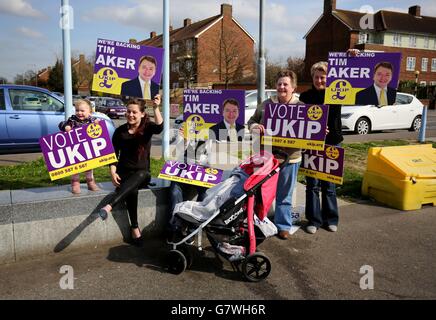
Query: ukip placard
{"points": [[209, 114], [127, 69], [78, 150], [325, 165], [295, 126], [191, 174], [370, 78]]}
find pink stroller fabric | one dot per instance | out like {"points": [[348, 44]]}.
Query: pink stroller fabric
{"points": [[258, 167]]}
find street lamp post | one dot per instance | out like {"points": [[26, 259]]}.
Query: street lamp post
{"points": [[416, 83]]}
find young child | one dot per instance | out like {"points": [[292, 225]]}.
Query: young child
{"points": [[81, 118]]}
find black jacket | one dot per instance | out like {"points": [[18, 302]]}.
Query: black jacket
{"points": [[132, 88], [369, 96], [222, 126], [334, 123]]}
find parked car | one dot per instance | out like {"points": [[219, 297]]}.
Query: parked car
{"points": [[251, 101], [59, 94], [23, 122], [93, 99], [113, 108], [404, 114]]}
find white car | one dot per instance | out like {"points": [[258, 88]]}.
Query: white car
{"points": [[251, 101], [404, 114]]}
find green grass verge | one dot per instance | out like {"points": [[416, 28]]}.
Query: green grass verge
{"points": [[34, 174]]}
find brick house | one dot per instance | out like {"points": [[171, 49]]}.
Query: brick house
{"points": [[83, 69], [214, 50], [410, 33]]}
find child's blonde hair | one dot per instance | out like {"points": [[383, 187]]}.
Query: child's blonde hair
{"points": [[84, 101]]}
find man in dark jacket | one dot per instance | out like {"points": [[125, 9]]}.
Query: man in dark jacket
{"points": [[379, 94], [142, 86], [228, 129]]}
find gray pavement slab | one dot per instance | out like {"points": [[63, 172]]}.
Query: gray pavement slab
{"points": [[397, 245]]}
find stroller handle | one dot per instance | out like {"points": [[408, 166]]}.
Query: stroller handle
{"points": [[284, 155]]}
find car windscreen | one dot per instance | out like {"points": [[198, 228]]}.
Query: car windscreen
{"points": [[114, 103]]}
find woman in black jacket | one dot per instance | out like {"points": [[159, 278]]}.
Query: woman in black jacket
{"points": [[132, 144], [326, 215]]}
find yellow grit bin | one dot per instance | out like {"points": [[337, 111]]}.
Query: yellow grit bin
{"points": [[401, 177]]}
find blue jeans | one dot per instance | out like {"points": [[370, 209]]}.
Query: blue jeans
{"points": [[327, 214], [180, 192], [285, 187]]}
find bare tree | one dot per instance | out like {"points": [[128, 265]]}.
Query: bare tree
{"points": [[296, 65], [230, 58], [187, 62]]}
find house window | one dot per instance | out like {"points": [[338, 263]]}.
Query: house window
{"points": [[175, 67], [189, 64], [433, 65], [189, 44], [426, 42], [397, 40], [411, 61], [363, 37], [433, 83], [175, 85], [424, 64], [423, 83], [175, 47], [412, 41]]}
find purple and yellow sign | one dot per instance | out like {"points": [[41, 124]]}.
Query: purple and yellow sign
{"points": [[127, 69], [369, 78], [325, 165], [191, 174], [295, 126], [213, 111], [81, 149]]}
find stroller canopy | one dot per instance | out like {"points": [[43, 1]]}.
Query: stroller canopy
{"points": [[259, 166]]}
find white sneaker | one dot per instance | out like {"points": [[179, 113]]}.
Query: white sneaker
{"points": [[333, 228], [311, 229]]}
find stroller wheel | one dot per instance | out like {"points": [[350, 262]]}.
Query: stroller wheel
{"points": [[256, 267], [187, 252], [176, 262]]}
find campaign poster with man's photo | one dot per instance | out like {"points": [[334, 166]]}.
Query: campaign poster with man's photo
{"points": [[370, 78], [127, 69], [214, 114]]}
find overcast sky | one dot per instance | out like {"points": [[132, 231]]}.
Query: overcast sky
{"points": [[31, 37]]}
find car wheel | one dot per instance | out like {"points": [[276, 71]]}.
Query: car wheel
{"points": [[416, 124], [363, 126]]}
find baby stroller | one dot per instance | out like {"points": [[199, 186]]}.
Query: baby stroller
{"points": [[231, 229]]}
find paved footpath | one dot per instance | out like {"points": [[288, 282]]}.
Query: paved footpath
{"points": [[399, 247]]}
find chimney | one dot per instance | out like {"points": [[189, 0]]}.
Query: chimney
{"points": [[415, 11], [186, 22], [132, 40], [82, 58], [226, 10], [152, 34], [171, 28], [329, 6]]}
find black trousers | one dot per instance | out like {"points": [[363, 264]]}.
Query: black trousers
{"points": [[131, 181]]}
